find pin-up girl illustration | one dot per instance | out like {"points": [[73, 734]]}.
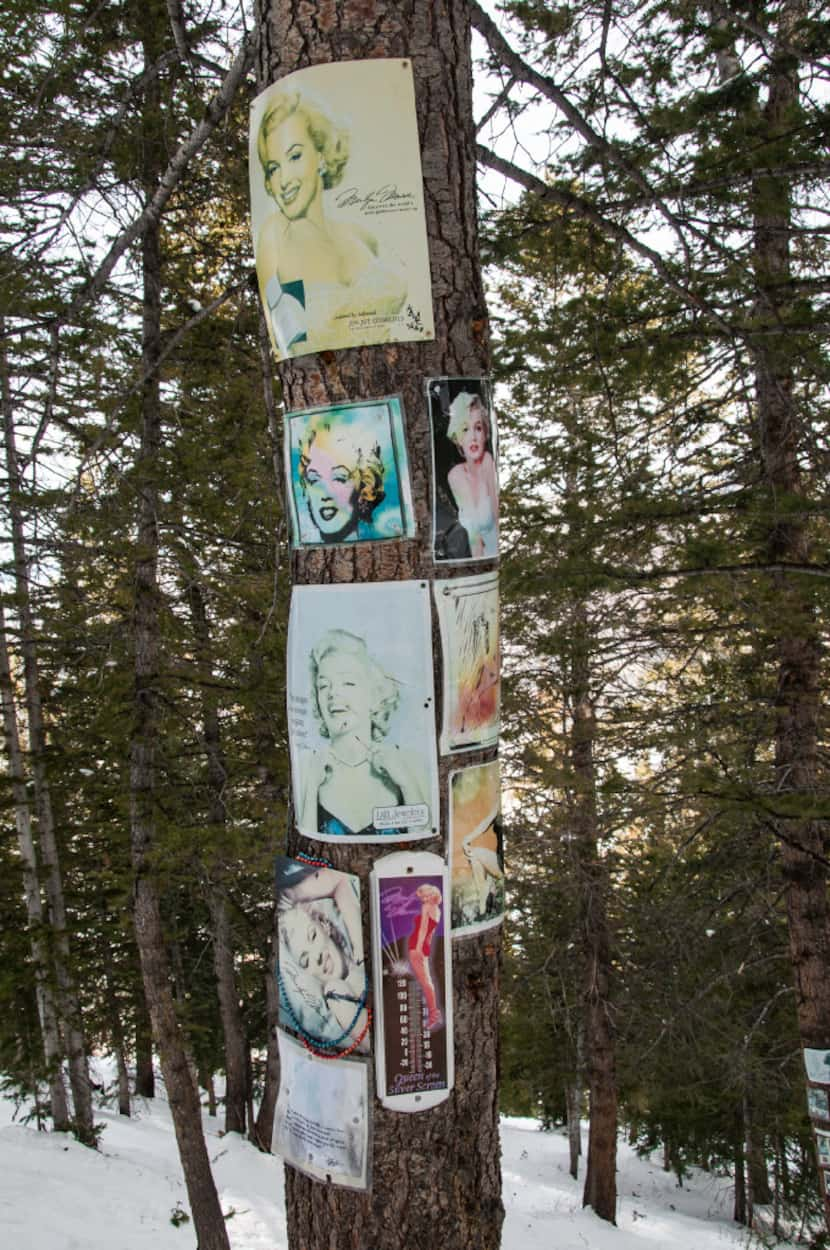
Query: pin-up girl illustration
{"points": [[420, 945]]}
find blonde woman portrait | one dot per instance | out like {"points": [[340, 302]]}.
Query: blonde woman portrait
{"points": [[321, 971], [317, 275], [361, 769], [466, 494], [349, 474]]}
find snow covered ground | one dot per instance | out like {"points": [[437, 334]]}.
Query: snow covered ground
{"points": [[57, 1195]]}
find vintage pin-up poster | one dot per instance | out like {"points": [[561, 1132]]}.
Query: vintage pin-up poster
{"points": [[348, 473], [468, 615], [361, 712], [321, 968], [337, 208], [817, 1103], [465, 517], [321, 1123], [413, 992], [477, 855], [817, 1063]]}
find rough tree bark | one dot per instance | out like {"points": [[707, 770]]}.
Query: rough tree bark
{"points": [[435, 1175], [804, 840], [181, 1090]]}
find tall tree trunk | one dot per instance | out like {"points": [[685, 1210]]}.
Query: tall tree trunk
{"points": [[47, 1012], [264, 1126], [574, 1093], [116, 1030], [68, 1004], [739, 1213], [805, 841], [600, 1190], [145, 1077], [182, 1094], [233, 1030], [435, 1175]]}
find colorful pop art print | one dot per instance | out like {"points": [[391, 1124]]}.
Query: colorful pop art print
{"points": [[817, 1103], [337, 208], [468, 617], [321, 965], [348, 473], [413, 985], [477, 854], [817, 1063], [321, 1122], [361, 712], [822, 1148], [465, 489]]}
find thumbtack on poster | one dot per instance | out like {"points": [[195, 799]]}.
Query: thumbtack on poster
{"points": [[412, 980]]}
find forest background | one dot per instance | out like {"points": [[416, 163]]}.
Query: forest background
{"points": [[658, 295]]}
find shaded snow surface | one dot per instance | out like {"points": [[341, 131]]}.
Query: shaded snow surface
{"points": [[57, 1195]]}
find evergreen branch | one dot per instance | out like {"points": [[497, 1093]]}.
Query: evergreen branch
{"points": [[522, 72], [589, 212], [722, 570], [151, 214]]}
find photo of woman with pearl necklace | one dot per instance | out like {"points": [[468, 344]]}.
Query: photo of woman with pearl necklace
{"points": [[360, 705]]}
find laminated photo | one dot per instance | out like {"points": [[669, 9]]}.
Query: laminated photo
{"points": [[817, 1104], [361, 712], [468, 616], [817, 1063], [337, 208], [348, 473], [321, 969], [321, 1121], [477, 855], [465, 517], [413, 924], [823, 1148]]}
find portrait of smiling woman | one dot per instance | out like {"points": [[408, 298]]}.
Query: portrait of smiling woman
{"points": [[348, 472], [360, 707], [354, 701], [337, 208], [331, 270]]}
